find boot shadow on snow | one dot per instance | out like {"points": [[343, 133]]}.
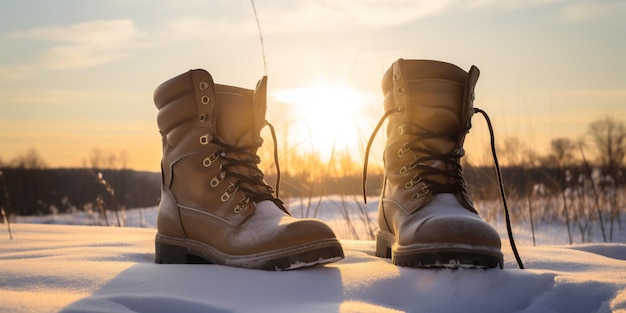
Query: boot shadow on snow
{"points": [[149, 287]]}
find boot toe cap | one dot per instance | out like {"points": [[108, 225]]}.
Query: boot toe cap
{"points": [[456, 230]]}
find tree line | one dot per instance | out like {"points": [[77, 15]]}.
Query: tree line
{"points": [[28, 187], [30, 191]]}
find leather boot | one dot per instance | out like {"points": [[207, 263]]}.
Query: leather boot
{"points": [[425, 215], [215, 205]]}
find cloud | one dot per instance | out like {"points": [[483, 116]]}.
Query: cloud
{"points": [[81, 45], [588, 10], [205, 27], [289, 17], [324, 15], [65, 97], [230, 19], [15, 72]]}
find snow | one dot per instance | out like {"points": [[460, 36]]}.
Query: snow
{"points": [[76, 268]]}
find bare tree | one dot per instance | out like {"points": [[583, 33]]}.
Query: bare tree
{"points": [[31, 159], [99, 159], [609, 137], [96, 158], [111, 161], [564, 152], [123, 159], [511, 153]]}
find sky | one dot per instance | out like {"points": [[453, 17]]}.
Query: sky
{"points": [[78, 76]]}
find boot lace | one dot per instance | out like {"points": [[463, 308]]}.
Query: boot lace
{"points": [[248, 159], [452, 169], [450, 160]]}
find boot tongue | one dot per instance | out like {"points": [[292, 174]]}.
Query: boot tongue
{"points": [[440, 113], [436, 93], [240, 114]]}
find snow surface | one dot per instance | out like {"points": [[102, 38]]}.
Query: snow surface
{"points": [[74, 268]]}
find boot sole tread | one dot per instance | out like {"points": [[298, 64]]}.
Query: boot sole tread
{"points": [[438, 255], [170, 250]]}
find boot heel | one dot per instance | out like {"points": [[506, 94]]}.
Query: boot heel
{"points": [[383, 248], [169, 254]]}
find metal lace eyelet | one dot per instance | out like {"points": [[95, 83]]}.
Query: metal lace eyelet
{"points": [[225, 196], [242, 204], [204, 117], [403, 150], [209, 160], [245, 201], [205, 139], [414, 181], [232, 188], [203, 85], [400, 91], [215, 181], [403, 170], [401, 130], [229, 192], [420, 193], [205, 99]]}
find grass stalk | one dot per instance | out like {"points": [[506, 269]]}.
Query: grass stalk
{"points": [[6, 220], [5, 217], [103, 212], [567, 216], [595, 193], [532, 220]]}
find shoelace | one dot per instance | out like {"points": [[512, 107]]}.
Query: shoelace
{"points": [[450, 160], [509, 229], [453, 169], [249, 160]]}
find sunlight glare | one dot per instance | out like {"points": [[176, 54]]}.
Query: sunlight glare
{"points": [[325, 116]]}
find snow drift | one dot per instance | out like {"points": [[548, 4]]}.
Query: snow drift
{"points": [[49, 268]]}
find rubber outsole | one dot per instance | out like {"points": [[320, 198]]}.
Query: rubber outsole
{"points": [[182, 251], [439, 255]]}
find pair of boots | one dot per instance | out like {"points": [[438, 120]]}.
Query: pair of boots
{"points": [[217, 208]]}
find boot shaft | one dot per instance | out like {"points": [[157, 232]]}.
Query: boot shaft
{"points": [[210, 135], [432, 96], [433, 104], [192, 100], [195, 113], [215, 204]]}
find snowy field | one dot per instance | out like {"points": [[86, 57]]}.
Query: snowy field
{"points": [[76, 268]]}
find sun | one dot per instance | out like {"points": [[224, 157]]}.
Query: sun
{"points": [[325, 117]]}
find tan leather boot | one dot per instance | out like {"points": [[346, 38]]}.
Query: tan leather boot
{"points": [[215, 205], [426, 218]]}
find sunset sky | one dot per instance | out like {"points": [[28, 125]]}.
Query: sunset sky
{"points": [[76, 76]]}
